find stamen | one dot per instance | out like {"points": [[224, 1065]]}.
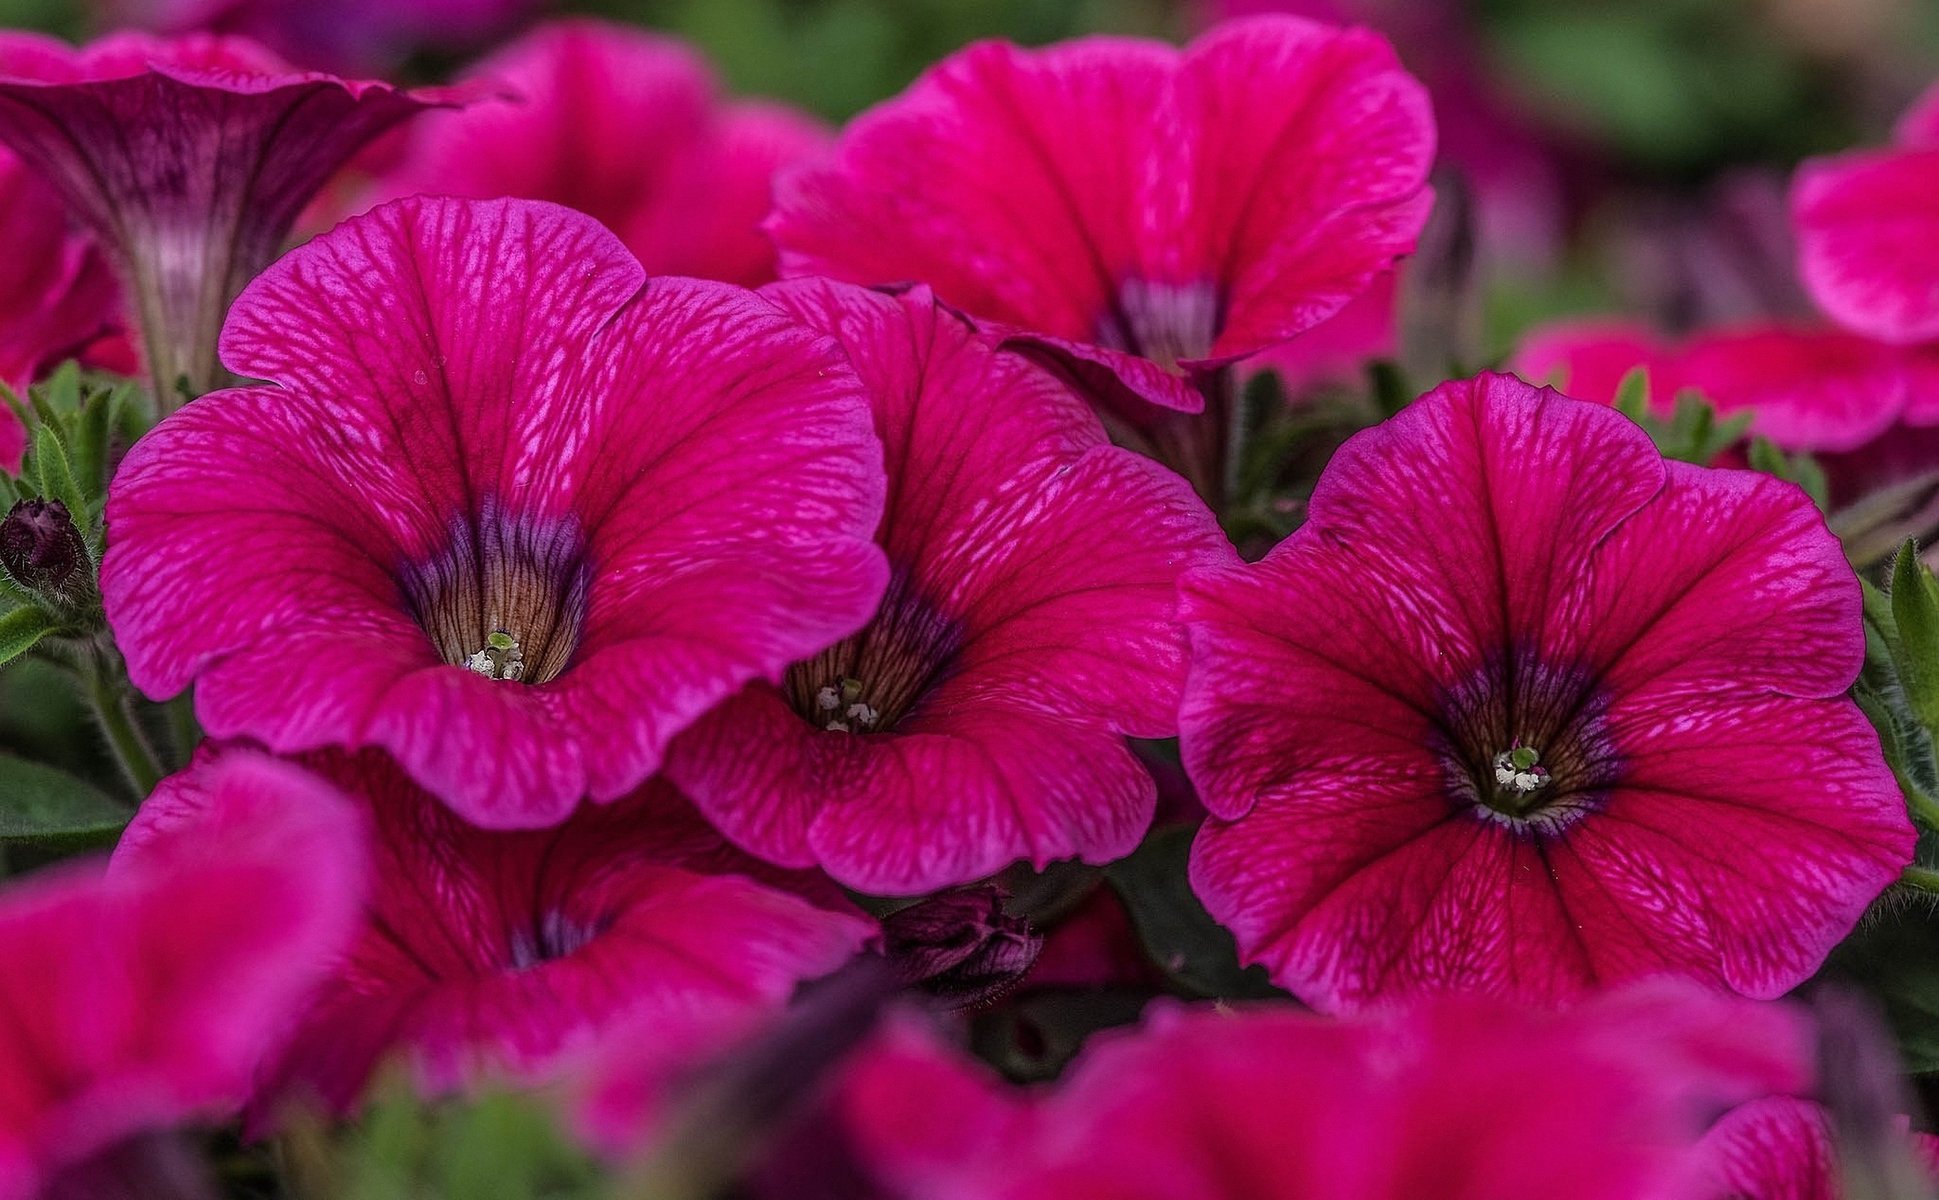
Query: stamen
{"points": [[1518, 770], [500, 659]]}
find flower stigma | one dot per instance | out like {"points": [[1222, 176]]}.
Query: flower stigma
{"points": [[500, 659]]}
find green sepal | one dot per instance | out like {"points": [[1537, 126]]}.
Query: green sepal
{"points": [[22, 629], [1915, 620]]}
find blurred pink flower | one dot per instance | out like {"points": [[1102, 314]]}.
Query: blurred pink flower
{"points": [[1868, 232], [57, 296], [1780, 1148], [625, 126], [190, 159], [506, 509], [1458, 1098], [1028, 629], [1522, 709], [147, 998], [1810, 388], [332, 35], [1139, 214], [489, 954]]}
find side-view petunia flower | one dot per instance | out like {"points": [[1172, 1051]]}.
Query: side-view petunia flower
{"points": [[343, 35], [1459, 1098], [499, 955], [625, 126], [1524, 709], [1868, 232], [190, 158], [1139, 214], [57, 295], [980, 717], [146, 998], [506, 510]]}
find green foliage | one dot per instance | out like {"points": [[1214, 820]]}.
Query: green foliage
{"points": [[23, 629], [1194, 951], [498, 1146], [39, 803], [1799, 468], [1692, 433]]}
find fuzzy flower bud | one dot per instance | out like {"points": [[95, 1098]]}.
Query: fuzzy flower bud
{"points": [[42, 550]]}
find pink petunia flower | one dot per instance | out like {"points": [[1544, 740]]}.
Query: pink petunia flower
{"points": [[147, 998], [507, 510], [1781, 1148], [332, 35], [1810, 388], [190, 158], [1456, 1098], [1139, 214], [625, 126], [1868, 232], [502, 954], [1524, 709], [1028, 628], [57, 296]]}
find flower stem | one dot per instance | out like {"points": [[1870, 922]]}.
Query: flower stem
{"points": [[108, 696]]}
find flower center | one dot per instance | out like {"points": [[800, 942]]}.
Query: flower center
{"points": [[1165, 322], [552, 936], [872, 680], [1558, 761], [506, 596]]}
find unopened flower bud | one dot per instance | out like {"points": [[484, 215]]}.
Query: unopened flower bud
{"points": [[42, 550], [960, 947]]}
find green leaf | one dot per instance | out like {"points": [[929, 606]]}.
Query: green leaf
{"points": [[1799, 468], [22, 629], [1915, 615], [40, 803], [1196, 952], [56, 474], [1632, 395]]}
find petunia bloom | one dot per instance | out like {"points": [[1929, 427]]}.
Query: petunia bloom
{"points": [[341, 35], [147, 998], [625, 126], [1139, 214], [980, 716], [507, 510], [500, 954], [1781, 1148], [1458, 1098], [190, 158], [1808, 387], [1523, 708], [1868, 232], [57, 295]]}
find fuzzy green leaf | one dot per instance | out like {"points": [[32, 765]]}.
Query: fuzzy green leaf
{"points": [[39, 803], [22, 629], [1915, 615]]}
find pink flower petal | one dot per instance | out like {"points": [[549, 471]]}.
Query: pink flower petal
{"points": [[486, 392], [1024, 634], [147, 998], [1501, 568], [1126, 207], [1868, 234]]}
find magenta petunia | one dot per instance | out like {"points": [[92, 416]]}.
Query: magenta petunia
{"points": [[507, 509], [1028, 628], [626, 126], [502, 954], [57, 295], [1457, 1098], [1809, 388], [190, 158], [1782, 1148], [1524, 709], [335, 35], [147, 998], [1141, 214], [1868, 232]]}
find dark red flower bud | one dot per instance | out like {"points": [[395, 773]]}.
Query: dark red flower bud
{"points": [[41, 548], [960, 946]]}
